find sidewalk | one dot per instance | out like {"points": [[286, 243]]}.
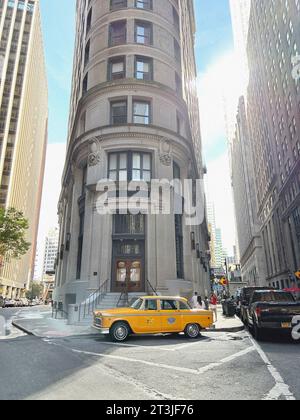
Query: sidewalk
{"points": [[44, 326], [40, 324], [225, 324]]}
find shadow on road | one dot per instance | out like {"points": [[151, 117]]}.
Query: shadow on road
{"points": [[159, 340], [278, 338], [31, 367]]}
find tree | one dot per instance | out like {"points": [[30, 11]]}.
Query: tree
{"points": [[13, 227], [35, 291]]}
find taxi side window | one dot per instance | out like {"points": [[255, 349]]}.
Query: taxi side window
{"points": [[151, 305], [183, 306], [168, 305]]}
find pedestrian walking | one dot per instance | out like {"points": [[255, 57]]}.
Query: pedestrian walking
{"points": [[213, 306], [200, 304], [206, 303], [194, 301]]}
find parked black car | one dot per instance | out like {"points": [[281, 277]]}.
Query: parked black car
{"points": [[244, 299], [271, 310]]}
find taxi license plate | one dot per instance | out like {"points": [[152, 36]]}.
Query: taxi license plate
{"points": [[286, 325]]}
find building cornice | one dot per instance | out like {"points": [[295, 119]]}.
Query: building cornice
{"points": [[132, 49], [132, 13], [127, 85], [252, 247], [107, 133]]}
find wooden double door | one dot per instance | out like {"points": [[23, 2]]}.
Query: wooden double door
{"points": [[128, 271]]}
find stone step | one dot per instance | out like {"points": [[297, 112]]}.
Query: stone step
{"points": [[109, 299]]}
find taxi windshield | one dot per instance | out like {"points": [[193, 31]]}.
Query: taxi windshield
{"points": [[137, 304]]}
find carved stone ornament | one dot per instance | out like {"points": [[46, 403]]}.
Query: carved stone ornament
{"points": [[165, 155], [95, 154]]}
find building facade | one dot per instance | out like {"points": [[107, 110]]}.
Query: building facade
{"points": [[23, 127], [211, 219], [252, 257], [240, 16], [51, 250], [220, 253], [274, 127], [217, 251], [134, 117]]}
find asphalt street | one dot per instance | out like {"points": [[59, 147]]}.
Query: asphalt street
{"points": [[217, 366]]}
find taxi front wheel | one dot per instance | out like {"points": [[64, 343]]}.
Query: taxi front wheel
{"points": [[119, 332], [192, 331]]}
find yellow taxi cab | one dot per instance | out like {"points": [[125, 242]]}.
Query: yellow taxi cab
{"points": [[153, 315]]}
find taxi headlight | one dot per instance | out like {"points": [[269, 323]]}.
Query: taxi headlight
{"points": [[98, 322]]}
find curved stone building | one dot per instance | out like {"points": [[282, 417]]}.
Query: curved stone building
{"points": [[134, 117]]}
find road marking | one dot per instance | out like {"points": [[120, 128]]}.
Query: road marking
{"points": [[239, 354], [280, 388], [278, 391], [23, 314], [143, 362], [169, 367], [108, 343], [226, 360], [184, 346], [173, 349], [153, 393]]}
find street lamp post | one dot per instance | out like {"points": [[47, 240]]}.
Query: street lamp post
{"points": [[227, 276], [31, 292]]}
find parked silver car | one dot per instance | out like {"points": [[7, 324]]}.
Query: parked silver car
{"points": [[9, 303], [18, 303], [24, 302]]}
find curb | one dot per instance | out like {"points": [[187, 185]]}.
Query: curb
{"points": [[19, 327], [28, 332], [230, 330]]}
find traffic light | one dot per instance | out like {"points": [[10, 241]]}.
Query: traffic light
{"points": [[297, 274]]}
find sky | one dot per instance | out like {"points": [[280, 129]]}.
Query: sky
{"points": [[214, 55], [217, 81]]}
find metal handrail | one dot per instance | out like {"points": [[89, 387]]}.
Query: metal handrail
{"points": [[90, 304], [56, 311], [124, 293], [152, 288]]}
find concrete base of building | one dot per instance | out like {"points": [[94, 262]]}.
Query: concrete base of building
{"points": [[77, 293]]}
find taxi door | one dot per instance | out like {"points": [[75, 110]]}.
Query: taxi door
{"points": [[171, 319], [148, 321]]}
